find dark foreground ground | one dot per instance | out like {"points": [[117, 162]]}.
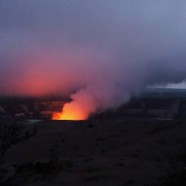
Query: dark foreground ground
{"points": [[98, 153]]}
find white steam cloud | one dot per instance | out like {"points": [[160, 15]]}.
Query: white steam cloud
{"points": [[106, 50]]}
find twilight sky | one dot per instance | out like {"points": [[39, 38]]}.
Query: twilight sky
{"points": [[104, 49]]}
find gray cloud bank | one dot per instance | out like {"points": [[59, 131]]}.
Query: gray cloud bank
{"points": [[108, 49]]}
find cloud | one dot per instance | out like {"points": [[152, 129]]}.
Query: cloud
{"points": [[106, 49]]}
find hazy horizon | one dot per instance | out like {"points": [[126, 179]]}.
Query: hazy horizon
{"points": [[98, 52]]}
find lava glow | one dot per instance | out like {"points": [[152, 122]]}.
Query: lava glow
{"points": [[70, 112]]}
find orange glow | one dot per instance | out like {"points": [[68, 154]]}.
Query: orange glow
{"points": [[70, 111]]}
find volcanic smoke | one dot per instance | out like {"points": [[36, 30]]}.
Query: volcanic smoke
{"points": [[70, 111], [79, 108], [104, 51]]}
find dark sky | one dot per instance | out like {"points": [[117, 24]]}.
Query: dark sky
{"points": [[107, 49]]}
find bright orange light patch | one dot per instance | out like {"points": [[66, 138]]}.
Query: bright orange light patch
{"points": [[70, 111]]}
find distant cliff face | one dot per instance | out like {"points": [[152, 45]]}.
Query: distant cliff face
{"points": [[30, 110]]}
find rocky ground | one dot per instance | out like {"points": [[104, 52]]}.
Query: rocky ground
{"points": [[112, 153]]}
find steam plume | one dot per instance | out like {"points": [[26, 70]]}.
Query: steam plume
{"points": [[105, 50]]}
